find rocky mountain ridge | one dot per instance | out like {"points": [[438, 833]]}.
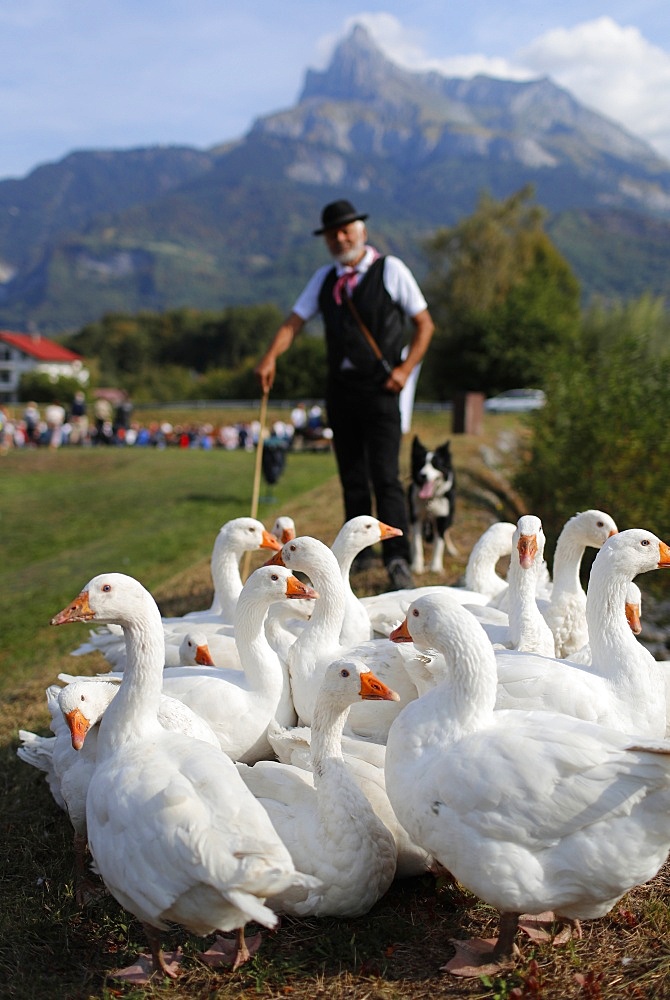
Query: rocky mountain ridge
{"points": [[167, 227]]}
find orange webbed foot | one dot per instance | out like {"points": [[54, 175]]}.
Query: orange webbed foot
{"points": [[477, 958]]}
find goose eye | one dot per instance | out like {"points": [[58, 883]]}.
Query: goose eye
{"points": [[601, 524], [292, 548], [344, 672], [645, 541], [415, 613], [274, 576], [106, 587], [82, 697]]}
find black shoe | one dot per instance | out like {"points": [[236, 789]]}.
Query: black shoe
{"points": [[400, 575]]}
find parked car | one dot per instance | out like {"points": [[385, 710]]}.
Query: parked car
{"points": [[516, 401]]}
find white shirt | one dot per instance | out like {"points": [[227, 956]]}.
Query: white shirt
{"points": [[399, 282]]}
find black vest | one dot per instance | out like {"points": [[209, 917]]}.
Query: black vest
{"points": [[344, 339]]}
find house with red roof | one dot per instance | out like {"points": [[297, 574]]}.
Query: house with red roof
{"points": [[29, 352]]}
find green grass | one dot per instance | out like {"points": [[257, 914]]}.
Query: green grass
{"points": [[70, 514]]}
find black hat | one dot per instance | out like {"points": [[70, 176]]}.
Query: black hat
{"points": [[338, 213]]}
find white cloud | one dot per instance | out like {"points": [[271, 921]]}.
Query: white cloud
{"points": [[613, 69], [405, 48], [402, 44]]}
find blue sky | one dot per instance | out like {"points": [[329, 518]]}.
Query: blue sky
{"points": [[117, 74]]}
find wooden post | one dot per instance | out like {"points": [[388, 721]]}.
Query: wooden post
{"points": [[255, 493]]}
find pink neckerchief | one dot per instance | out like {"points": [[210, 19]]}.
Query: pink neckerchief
{"points": [[350, 277]]}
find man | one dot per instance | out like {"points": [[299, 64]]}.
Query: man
{"points": [[362, 389]]}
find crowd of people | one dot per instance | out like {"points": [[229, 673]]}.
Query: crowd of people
{"points": [[101, 424]]}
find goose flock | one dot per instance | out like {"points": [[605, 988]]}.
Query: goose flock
{"points": [[294, 748]]}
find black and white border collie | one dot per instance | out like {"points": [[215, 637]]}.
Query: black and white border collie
{"points": [[431, 496]]}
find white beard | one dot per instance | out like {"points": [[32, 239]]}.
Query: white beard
{"points": [[349, 256]]}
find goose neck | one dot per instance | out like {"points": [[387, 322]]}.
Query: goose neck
{"points": [[260, 661], [225, 570], [468, 692], [134, 710], [567, 563], [327, 727]]}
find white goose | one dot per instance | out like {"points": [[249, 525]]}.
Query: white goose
{"points": [[319, 643], [237, 536], [68, 757], [633, 612], [566, 611], [321, 815], [523, 627], [490, 547], [283, 529], [38, 751], [355, 535], [621, 692], [194, 650], [623, 686], [531, 811], [529, 632], [239, 704], [387, 609], [173, 830], [75, 712], [633, 608], [205, 647], [365, 763]]}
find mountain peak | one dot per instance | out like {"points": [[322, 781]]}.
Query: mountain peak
{"points": [[357, 71]]}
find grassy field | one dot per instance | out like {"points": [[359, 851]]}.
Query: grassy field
{"points": [[70, 514]]}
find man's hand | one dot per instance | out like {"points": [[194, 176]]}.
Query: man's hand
{"points": [[396, 380], [265, 373]]}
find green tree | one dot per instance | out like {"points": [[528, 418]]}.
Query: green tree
{"points": [[502, 296], [300, 374], [599, 441], [131, 348], [122, 345], [45, 389], [206, 341]]}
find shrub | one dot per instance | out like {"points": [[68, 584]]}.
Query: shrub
{"points": [[600, 440]]}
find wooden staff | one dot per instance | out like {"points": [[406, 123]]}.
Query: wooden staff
{"points": [[257, 474]]}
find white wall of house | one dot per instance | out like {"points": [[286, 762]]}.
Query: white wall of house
{"points": [[13, 364]]}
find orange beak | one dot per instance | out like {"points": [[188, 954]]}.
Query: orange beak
{"points": [[527, 548], [203, 656], [388, 532], [663, 556], [633, 618], [372, 689], [78, 726], [269, 542], [401, 633], [276, 559], [78, 611], [295, 588]]}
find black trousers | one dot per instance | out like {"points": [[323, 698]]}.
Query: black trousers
{"points": [[366, 439]]}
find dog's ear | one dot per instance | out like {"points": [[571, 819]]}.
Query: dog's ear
{"points": [[417, 448]]}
